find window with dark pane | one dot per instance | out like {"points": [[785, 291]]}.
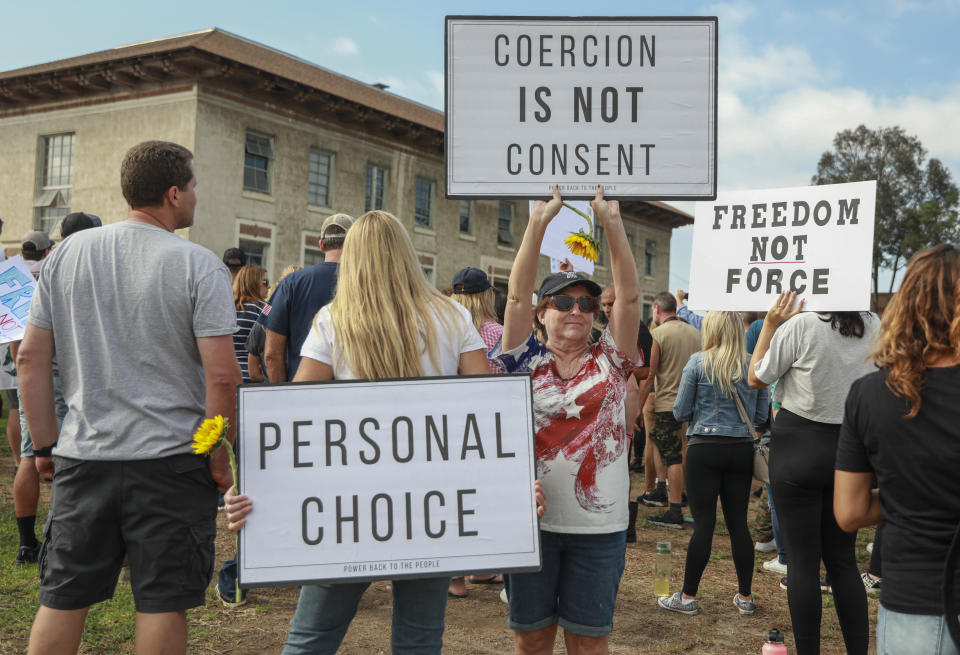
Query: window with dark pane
{"points": [[465, 217], [258, 156], [318, 182], [376, 182], [505, 224], [55, 192], [423, 202], [650, 252]]}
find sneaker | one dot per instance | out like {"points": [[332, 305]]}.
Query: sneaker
{"points": [[872, 584], [783, 583], [870, 547], [658, 498], [746, 607], [675, 603], [825, 586], [774, 566], [27, 555], [765, 546], [503, 596], [233, 603], [669, 519]]}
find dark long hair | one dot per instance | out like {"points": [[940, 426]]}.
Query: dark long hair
{"points": [[848, 324]]}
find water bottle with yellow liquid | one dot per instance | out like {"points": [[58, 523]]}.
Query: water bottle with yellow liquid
{"points": [[662, 569]]}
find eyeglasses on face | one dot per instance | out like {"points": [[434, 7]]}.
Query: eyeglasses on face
{"points": [[564, 303]]}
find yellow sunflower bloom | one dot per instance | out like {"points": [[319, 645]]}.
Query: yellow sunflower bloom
{"points": [[208, 435], [583, 245]]}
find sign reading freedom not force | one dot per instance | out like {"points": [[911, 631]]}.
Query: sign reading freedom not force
{"points": [[361, 480], [750, 246], [629, 103]]}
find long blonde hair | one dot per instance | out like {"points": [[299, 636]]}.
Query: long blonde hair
{"points": [[385, 310], [480, 306], [724, 349]]}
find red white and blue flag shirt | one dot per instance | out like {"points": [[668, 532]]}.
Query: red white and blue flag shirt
{"points": [[582, 448]]}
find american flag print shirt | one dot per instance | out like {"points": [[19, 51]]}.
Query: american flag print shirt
{"points": [[581, 445]]}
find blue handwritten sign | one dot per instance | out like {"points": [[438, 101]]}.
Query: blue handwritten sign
{"points": [[16, 290]]}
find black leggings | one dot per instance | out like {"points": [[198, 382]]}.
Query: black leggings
{"points": [[802, 455], [724, 471]]}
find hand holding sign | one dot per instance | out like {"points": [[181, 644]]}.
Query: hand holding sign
{"points": [[543, 212]]}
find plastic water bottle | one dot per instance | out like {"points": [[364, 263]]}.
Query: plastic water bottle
{"points": [[662, 569], [774, 644]]}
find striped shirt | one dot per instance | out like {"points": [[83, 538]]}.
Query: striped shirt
{"points": [[245, 320]]}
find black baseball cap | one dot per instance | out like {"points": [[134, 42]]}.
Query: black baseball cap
{"points": [[470, 280], [234, 257], [77, 221], [557, 282]]}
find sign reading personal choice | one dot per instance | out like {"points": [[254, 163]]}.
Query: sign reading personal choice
{"points": [[629, 103], [750, 246], [363, 480], [16, 291]]}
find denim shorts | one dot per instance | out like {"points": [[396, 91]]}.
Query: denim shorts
{"points": [[912, 634], [576, 588]]}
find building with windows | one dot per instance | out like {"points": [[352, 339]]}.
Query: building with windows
{"points": [[280, 144]]}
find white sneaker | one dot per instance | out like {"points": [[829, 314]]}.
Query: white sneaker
{"points": [[765, 546], [503, 596], [774, 566], [870, 547]]}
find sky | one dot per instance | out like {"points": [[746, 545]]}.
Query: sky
{"points": [[791, 75]]}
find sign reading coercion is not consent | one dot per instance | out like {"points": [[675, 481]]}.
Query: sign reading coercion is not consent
{"points": [[750, 246], [361, 480], [629, 103]]}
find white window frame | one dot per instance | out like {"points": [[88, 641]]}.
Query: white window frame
{"points": [[58, 196], [369, 188], [260, 150], [304, 247], [427, 259], [331, 158], [417, 217], [268, 242]]}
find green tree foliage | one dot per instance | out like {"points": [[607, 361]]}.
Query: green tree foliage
{"points": [[916, 197]]}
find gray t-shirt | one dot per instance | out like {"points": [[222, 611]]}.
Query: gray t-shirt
{"points": [[816, 365], [126, 304]]}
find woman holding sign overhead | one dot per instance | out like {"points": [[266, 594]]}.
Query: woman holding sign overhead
{"points": [[581, 445], [815, 357], [386, 321]]}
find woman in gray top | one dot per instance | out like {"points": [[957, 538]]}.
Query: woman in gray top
{"points": [[816, 357]]}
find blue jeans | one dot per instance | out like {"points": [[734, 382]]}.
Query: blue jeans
{"points": [[912, 634], [324, 613], [59, 405], [227, 581], [781, 553]]}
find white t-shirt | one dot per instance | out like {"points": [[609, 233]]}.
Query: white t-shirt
{"points": [[319, 345], [816, 365]]}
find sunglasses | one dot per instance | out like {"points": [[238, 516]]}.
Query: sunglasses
{"points": [[564, 303]]}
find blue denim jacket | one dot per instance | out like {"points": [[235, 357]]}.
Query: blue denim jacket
{"points": [[709, 411]]}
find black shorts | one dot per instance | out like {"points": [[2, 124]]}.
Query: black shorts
{"points": [[160, 513], [13, 399]]}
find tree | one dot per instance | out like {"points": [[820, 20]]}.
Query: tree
{"points": [[916, 198]]}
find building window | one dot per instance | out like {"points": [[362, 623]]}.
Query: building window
{"points": [[647, 312], [376, 187], [55, 183], [651, 251], [257, 161], [312, 256], [429, 265], [318, 180], [466, 208], [423, 202], [505, 224], [256, 252]]}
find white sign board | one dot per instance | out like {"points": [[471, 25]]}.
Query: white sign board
{"points": [[16, 290], [629, 103], [363, 480], [563, 225], [749, 246]]}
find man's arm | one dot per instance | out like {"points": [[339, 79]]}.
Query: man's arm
{"points": [[222, 375], [34, 358], [275, 356], [646, 385]]}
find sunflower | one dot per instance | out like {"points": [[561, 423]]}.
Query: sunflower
{"points": [[209, 435], [582, 244]]}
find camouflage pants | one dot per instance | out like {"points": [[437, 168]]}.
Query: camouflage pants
{"points": [[763, 526], [667, 436]]}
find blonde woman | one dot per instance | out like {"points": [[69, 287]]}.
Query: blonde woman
{"points": [[415, 331], [719, 455]]}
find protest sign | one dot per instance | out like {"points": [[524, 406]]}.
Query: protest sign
{"points": [[563, 224], [16, 290], [362, 480], [749, 246], [629, 103]]}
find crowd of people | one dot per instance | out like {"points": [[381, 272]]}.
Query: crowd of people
{"points": [[860, 423]]}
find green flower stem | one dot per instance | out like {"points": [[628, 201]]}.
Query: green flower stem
{"points": [[585, 217], [233, 472]]}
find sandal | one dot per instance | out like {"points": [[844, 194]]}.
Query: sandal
{"points": [[495, 578]]}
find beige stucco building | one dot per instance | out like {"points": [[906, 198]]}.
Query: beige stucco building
{"points": [[280, 144]]}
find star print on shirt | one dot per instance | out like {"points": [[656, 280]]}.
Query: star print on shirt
{"points": [[572, 408]]}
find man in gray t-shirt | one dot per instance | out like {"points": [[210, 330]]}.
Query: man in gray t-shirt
{"points": [[141, 321]]}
